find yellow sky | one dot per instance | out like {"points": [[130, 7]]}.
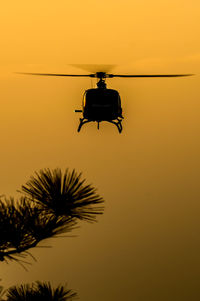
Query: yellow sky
{"points": [[146, 245]]}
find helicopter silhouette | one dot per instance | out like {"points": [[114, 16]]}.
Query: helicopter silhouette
{"points": [[100, 103]]}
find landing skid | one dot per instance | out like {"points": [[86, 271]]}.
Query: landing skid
{"points": [[118, 123]]}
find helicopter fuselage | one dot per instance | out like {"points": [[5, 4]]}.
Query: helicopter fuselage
{"points": [[101, 104]]}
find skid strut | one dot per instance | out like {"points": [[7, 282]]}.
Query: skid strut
{"points": [[118, 123]]}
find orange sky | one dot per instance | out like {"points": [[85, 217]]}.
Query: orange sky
{"points": [[146, 245]]}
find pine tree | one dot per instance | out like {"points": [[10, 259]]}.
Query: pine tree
{"points": [[51, 203]]}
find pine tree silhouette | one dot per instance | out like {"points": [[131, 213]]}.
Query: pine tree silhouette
{"points": [[51, 204]]}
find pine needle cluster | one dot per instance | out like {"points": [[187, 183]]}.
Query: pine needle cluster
{"points": [[39, 291], [52, 203]]}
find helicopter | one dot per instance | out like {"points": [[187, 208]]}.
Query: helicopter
{"points": [[100, 103]]}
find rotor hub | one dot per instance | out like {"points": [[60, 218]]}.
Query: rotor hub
{"points": [[100, 75]]}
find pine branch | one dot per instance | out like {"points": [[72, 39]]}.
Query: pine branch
{"points": [[64, 194], [40, 291], [23, 226], [53, 203]]}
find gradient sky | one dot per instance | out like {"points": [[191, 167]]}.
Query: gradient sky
{"points": [[146, 246]]}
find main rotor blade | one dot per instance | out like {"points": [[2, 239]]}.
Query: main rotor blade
{"points": [[56, 74], [104, 75], [148, 75]]}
